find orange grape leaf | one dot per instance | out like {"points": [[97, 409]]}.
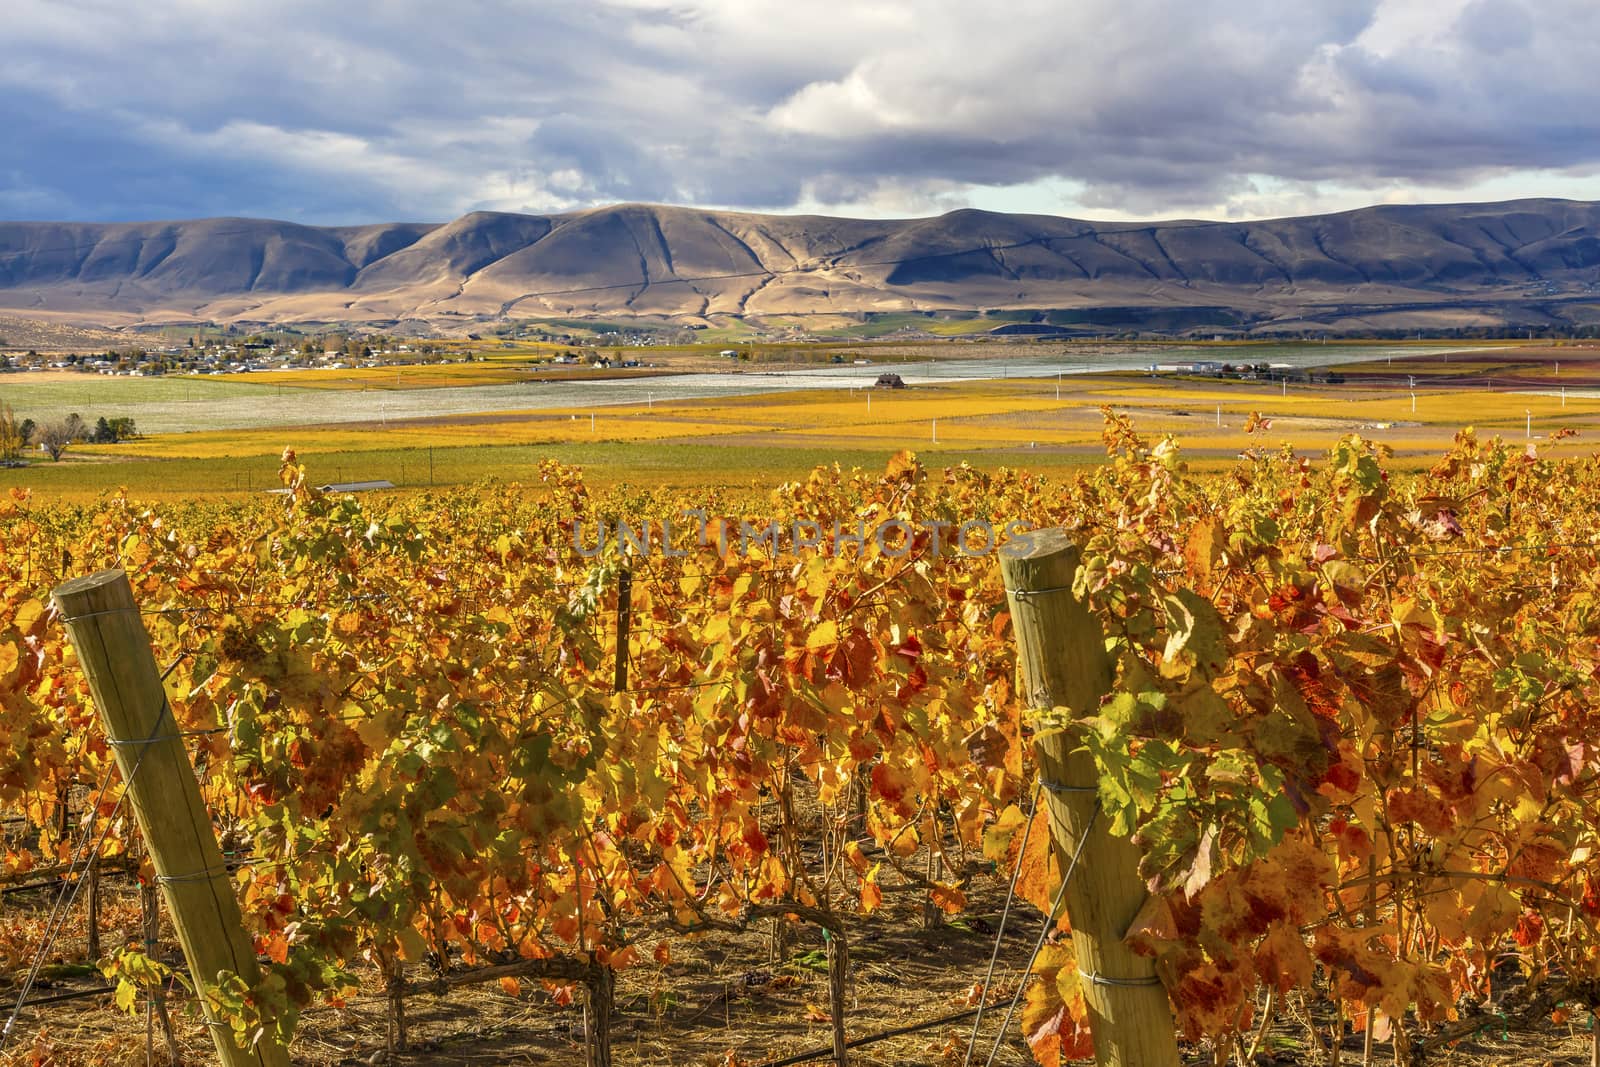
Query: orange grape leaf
{"points": [[1054, 1020], [1283, 960], [1040, 874], [949, 898]]}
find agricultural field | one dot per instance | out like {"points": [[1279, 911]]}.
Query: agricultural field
{"points": [[709, 429]]}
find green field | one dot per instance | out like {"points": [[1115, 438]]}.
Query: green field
{"points": [[44, 395], [604, 463]]}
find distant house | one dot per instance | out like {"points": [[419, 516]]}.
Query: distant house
{"points": [[889, 381]]}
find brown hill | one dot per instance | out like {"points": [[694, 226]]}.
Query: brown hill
{"points": [[1529, 262]]}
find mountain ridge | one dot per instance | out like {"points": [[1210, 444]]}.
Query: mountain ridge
{"points": [[1513, 263]]}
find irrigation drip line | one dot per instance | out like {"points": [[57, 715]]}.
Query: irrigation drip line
{"points": [[62, 998], [29, 887], [871, 1039]]}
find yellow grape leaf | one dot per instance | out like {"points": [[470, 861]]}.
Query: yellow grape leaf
{"points": [[1000, 839], [376, 732], [511, 987], [871, 894], [904, 464], [816, 577], [412, 945], [126, 996], [1204, 550], [27, 613], [824, 637]]}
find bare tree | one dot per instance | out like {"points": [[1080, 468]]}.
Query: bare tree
{"points": [[56, 436]]}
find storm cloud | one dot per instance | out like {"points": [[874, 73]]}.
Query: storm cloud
{"points": [[367, 110]]}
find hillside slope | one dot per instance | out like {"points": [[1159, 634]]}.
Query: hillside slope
{"points": [[1519, 263]]}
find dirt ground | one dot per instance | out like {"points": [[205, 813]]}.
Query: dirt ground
{"points": [[722, 1000]]}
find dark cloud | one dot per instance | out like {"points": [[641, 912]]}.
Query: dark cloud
{"points": [[381, 109]]}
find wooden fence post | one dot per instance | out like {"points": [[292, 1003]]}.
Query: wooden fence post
{"points": [[1061, 652], [114, 652]]}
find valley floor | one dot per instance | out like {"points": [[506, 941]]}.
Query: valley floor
{"points": [[1045, 423]]}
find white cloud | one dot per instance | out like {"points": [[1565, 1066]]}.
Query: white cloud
{"points": [[1123, 108]]}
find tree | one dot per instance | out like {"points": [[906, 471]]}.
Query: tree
{"points": [[12, 437], [110, 431], [56, 436]]}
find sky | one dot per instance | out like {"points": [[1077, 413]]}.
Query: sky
{"points": [[384, 110]]}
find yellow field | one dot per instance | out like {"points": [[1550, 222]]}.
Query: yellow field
{"points": [[773, 417], [1012, 414], [505, 428], [734, 440]]}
